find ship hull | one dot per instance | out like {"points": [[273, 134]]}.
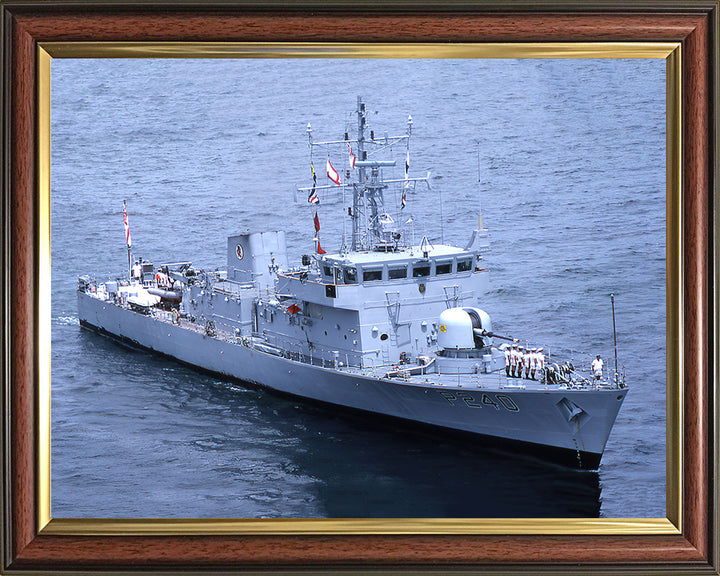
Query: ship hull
{"points": [[535, 419]]}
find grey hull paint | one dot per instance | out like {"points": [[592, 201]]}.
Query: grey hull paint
{"points": [[529, 416]]}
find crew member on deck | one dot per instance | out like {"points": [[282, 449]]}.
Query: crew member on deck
{"points": [[520, 362], [508, 354], [540, 361], [597, 367], [513, 360], [533, 363], [162, 280], [527, 360], [136, 270]]}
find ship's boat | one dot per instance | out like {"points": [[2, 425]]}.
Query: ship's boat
{"points": [[384, 326]]}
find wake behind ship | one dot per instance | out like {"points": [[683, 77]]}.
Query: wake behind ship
{"points": [[385, 325]]}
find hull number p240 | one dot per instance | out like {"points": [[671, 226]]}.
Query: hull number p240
{"points": [[497, 401]]}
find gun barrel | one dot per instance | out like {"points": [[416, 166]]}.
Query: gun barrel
{"points": [[495, 335]]}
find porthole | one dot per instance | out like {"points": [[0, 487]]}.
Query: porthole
{"points": [[383, 336]]}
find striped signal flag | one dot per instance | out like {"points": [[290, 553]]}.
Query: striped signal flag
{"points": [[128, 239], [332, 173], [313, 197]]}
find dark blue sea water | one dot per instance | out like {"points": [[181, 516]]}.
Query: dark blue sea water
{"points": [[570, 156]]}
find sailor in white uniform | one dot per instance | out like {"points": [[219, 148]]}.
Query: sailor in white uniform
{"points": [[540, 360], [136, 270], [526, 362], [508, 355], [597, 367], [520, 362], [513, 360], [533, 363]]}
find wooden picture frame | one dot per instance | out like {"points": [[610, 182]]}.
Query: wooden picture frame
{"points": [[687, 541]]}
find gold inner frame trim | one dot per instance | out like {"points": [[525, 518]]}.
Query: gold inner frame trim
{"points": [[44, 287], [515, 526], [673, 286], [356, 50], [382, 526]]}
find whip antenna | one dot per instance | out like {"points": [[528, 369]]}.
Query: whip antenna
{"points": [[479, 188], [612, 303]]}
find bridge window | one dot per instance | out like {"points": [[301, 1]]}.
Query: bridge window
{"points": [[349, 275], [370, 275], [327, 271], [395, 273], [464, 265], [443, 267], [420, 270]]}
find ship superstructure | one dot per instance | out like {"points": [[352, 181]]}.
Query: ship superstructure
{"points": [[384, 325]]}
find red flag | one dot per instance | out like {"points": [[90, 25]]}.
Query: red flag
{"points": [[332, 173], [128, 240], [352, 157], [294, 309], [316, 240]]}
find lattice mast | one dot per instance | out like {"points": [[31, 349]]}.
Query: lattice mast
{"points": [[372, 227]]}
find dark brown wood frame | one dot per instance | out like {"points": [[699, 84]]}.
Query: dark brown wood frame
{"points": [[692, 23]]}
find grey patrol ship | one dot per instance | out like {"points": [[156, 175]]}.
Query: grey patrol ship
{"points": [[383, 326]]}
